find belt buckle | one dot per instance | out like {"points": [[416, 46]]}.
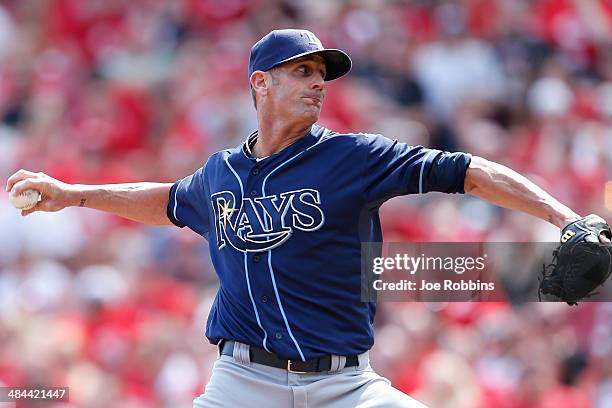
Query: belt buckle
{"points": [[289, 362]]}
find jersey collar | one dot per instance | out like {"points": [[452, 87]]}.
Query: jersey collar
{"points": [[247, 146]]}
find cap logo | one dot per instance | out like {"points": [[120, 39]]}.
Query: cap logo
{"points": [[313, 40]]}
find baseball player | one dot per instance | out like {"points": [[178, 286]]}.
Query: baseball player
{"points": [[284, 215]]}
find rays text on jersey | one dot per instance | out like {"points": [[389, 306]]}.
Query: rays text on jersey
{"points": [[263, 223]]}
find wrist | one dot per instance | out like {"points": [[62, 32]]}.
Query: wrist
{"points": [[567, 219], [75, 195]]}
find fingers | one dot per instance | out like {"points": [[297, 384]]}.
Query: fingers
{"points": [[30, 211], [46, 204], [38, 207], [23, 180], [19, 176], [54, 194], [30, 183]]}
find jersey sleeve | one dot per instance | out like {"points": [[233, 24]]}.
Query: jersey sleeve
{"points": [[187, 204], [393, 168]]}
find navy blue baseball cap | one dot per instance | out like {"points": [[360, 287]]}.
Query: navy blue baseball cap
{"points": [[281, 46]]}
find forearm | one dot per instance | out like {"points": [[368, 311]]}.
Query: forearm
{"points": [[502, 186], [141, 202]]}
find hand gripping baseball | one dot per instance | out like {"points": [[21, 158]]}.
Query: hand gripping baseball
{"points": [[582, 261], [54, 194]]}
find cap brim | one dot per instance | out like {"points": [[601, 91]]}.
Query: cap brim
{"points": [[337, 62]]}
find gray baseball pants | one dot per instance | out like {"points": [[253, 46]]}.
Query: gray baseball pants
{"points": [[238, 383]]}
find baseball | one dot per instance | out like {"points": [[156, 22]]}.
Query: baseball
{"points": [[25, 200]]}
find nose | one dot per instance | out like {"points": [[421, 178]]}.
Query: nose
{"points": [[319, 82]]}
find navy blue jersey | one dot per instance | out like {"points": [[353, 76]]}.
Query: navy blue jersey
{"points": [[285, 234]]}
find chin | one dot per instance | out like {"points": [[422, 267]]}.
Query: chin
{"points": [[311, 117], [314, 112]]}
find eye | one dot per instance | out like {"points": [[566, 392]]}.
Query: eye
{"points": [[304, 69]]}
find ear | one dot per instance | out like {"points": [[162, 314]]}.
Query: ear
{"points": [[259, 82]]}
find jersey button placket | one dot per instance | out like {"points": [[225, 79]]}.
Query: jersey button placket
{"points": [[255, 171]]}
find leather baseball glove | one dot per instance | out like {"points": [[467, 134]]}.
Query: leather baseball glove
{"points": [[581, 263]]}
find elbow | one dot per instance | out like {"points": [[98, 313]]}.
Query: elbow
{"points": [[474, 173]]}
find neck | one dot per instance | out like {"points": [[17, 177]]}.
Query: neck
{"points": [[274, 135]]}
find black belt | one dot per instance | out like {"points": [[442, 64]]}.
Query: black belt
{"points": [[261, 356]]}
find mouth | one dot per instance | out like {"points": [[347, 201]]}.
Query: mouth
{"points": [[315, 99]]}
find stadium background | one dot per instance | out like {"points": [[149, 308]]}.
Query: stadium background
{"points": [[115, 91]]}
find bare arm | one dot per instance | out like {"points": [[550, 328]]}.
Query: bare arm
{"points": [[502, 186], [141, 202]]}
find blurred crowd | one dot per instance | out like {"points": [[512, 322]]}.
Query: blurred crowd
{"points": [[105, 91]]}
